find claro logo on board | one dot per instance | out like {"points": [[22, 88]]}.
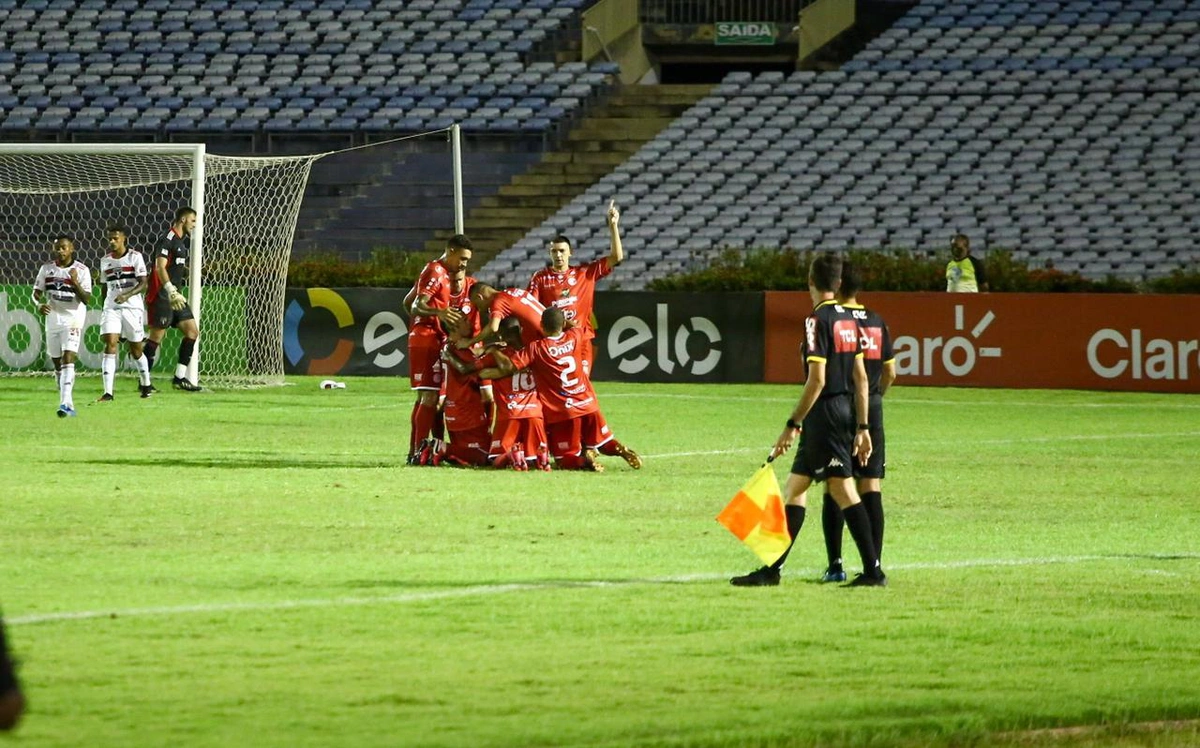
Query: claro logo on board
{"points": [[957, 355], [1112, 354]]}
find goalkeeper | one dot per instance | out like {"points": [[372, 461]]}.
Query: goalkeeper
{"points": [[168, 306]]}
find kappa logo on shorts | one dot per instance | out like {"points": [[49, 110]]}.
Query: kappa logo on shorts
{"points": [[835, 462]]}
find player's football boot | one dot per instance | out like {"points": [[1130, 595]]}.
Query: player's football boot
{"points": [[146, 390], [762, 577], [105, 398], [543, 459], [591, 461], [833, 575], [185, 384], [516, 456], [66, 411], [429, 449], [629, 456], [878, 579]]}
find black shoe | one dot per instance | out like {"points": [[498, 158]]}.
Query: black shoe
{"points": [[105, 398], [764, 577], [833, 575], [878, 579], [182, 383], [146, 389]]}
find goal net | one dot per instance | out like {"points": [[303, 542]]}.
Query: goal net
{"points": [[246, 216]]}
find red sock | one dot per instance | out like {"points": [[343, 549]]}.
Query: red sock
{"points": [[439, 425], [610, 447], [571, 462], [422, 424]]}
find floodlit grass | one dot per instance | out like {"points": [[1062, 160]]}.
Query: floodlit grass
{"points": [[258, 568]]}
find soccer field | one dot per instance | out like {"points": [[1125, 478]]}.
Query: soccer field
{"points": [[259, 568]]}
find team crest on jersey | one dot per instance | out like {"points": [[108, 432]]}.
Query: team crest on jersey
{"points": [[571, 279]]}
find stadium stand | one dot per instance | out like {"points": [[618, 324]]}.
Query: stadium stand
{"points": [[266, 65], [1066, 131]]}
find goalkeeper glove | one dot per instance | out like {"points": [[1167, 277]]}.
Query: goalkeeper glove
{"points": [[178, 301]]}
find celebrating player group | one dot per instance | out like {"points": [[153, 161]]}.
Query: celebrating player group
{"points": [[503, 375]]}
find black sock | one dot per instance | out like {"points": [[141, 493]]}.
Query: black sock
{"points": [[873, 501], [860, 529], [795, 520], [186, 346], [832, 523], [150, 351]]}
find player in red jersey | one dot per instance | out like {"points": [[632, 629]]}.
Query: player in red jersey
{"points": [[519, 434], [431, 308], [575, 427], [504, 303], [572, 288], [466, 421]]}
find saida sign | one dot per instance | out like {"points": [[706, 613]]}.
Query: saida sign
{"points": [[745, 33]]}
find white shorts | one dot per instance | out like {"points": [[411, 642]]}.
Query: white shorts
{"points": [[63, 338], [129, 322]]}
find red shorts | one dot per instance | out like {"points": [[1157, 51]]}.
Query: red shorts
{"points": [[425, 368], [528, 433], [569, 438], [470, 446]]}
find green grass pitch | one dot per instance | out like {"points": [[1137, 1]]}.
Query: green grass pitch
{"points": [[259, 568]]}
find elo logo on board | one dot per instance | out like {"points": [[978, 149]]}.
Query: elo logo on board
{"points": [[629, 333]]}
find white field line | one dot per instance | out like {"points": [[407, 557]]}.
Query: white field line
{"points": [[501, 589]]}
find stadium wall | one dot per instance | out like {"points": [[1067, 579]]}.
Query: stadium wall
{"points": [[1071, 341], [1123, 342]]}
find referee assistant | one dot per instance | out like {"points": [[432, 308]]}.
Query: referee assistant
{"points": [[835, 391]]}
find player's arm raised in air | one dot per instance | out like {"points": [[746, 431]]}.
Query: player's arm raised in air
{"points": [[616, 251]]}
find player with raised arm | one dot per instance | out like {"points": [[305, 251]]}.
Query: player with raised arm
{"points": [[431, 307], [61, 292], [502, 304], [572, 288], [575, 427], [123, 272], [168, 306], [834, 397], [880, 362]]}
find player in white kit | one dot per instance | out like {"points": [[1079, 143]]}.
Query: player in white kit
{"points": [[123, 272], [61, 291]]}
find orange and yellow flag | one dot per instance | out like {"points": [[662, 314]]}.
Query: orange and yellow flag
{"points": [[756, 516]]}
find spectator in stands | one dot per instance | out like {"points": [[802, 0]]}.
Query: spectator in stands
{"points": [[964, 273]]}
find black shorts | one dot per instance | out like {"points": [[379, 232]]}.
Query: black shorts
{"points": [[827, 441], [875, 466], [161, 315]]}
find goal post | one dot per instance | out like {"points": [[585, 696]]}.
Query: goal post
{"points": [[247, 207]]}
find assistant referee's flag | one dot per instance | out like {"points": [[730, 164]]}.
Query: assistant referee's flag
{"points": [[755, 515]]}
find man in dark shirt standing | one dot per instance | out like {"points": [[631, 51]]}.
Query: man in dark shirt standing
{"points": [[167, 306], [835, 392], [880, 362]]}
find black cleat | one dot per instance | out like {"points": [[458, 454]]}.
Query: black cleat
{"points": [[105, 398], [182, 383], [763, 577], [878, 579], [146, 389]]}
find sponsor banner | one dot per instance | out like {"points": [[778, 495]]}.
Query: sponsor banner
{"points": [[679, 337], [347, 331], [23, 335], [1071, 341]]}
